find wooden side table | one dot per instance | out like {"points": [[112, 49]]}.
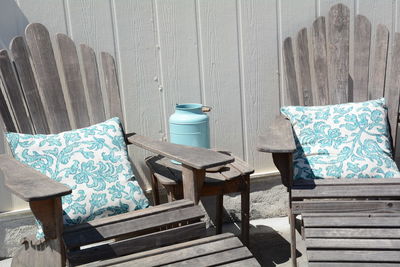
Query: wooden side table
{"points": [[231, 178]]}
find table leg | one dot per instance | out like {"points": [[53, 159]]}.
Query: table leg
{"points": [[245, 201], [219, 213]]}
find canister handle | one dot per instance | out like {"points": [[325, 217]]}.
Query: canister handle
{"points": [[206, 108]]}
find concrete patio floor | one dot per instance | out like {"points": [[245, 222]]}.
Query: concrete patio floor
{"points": [[269, 242]]}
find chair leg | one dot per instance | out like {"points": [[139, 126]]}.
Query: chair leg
{"points": [[154, 192], [219, 213], [245, 205], [292, 221]]}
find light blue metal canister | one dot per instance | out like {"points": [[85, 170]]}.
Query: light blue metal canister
{"points": [[189, 125]]}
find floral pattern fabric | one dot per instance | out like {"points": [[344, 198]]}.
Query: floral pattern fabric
{"points": [[92, 161], [342, 141]]}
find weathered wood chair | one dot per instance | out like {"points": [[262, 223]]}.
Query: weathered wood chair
{"points": [[33, 100], [348, 221]]}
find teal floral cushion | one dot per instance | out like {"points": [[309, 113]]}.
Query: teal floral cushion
{"points": [[93, 161], [342, 141]]}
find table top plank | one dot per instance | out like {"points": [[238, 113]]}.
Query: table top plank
{"points": [[169, 173]]}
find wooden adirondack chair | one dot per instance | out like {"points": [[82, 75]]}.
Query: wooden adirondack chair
{"points": [[343, 220], [32, 100]]}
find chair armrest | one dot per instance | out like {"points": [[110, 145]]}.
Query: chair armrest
{"points": [[278, 138], [29, 184], [195, 157]]}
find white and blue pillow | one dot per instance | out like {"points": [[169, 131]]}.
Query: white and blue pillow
{"points": [[342, 141], [92, 161]]}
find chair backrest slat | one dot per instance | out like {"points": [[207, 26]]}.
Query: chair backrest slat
{"points": [[290, 70], [47, 76], [14, 94], [73, 80], [331, 82], [378, 67], [392, 88], [28, 84], [6, 112], [111, 83], [304, 74], [321, 89], [362, 44], [338, 53], [91, 77]]}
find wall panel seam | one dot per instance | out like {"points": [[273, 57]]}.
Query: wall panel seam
{"points": [[280, 58], [115, 37], [200, 51], [241, 79], [67, 18], [160, 68]]}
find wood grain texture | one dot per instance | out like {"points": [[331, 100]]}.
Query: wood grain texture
{"points": [[218, 258], [92, 81], [336, 205], [278, 138], [351, 221], [292, 16], [351, 264], [6, 113], [137, 244], [94, 23], [192, 182], [162, 250], [362, 43], [14, 94], [28, 84], [378, 68], [363, 190], [187, 253], [293, 97], [354, 255], [51, 250], [304, 74], [195, 157], [73, 80], [392, 87], [47, 77], [112, 86], [338, 36], [321, 90], [351, 233], [20, 179], [353, 243], [139, 225], [221, 77]]}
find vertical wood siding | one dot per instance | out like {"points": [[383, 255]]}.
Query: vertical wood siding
{"points": [[225, 54]]}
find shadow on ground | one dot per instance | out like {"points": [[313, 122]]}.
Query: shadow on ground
{"points": [[269, 247]]}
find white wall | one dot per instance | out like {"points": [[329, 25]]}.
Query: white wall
{"points": [[222, 53]]}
